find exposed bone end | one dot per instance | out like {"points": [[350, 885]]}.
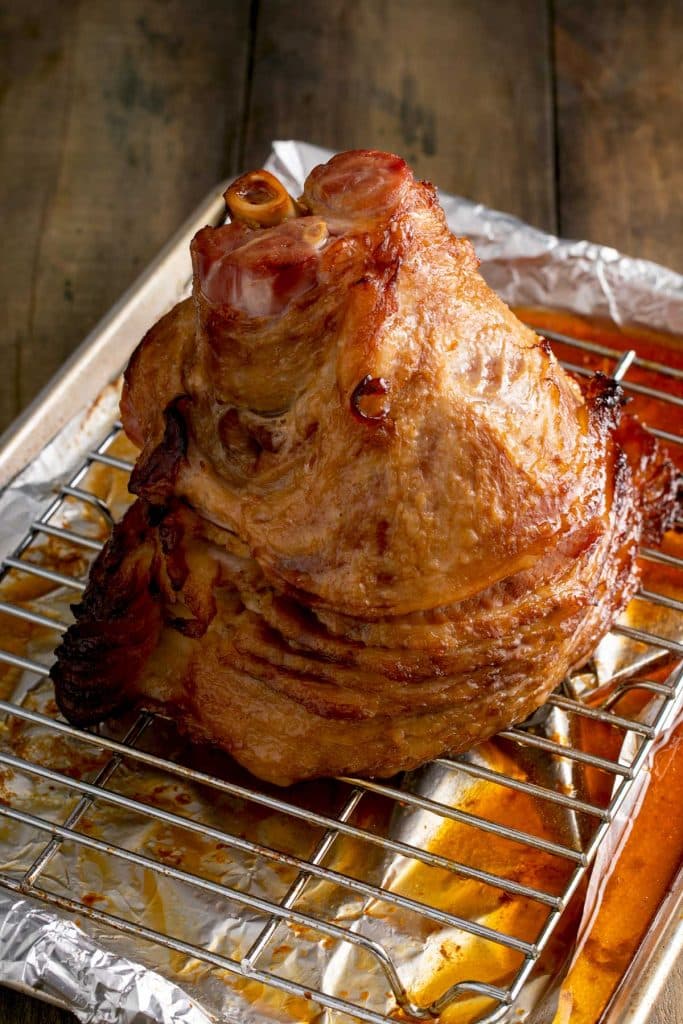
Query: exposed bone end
{"points": [[258, 199]]}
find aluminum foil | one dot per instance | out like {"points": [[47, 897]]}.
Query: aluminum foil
{"points": [[103, 974]]}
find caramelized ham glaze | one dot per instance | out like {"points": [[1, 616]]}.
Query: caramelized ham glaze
{"points": [[376, 521]]}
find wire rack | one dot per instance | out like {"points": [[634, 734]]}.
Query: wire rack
{"points": [[345, 821]]}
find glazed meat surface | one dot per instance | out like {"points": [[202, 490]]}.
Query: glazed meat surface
{"points": [[376, 521]]}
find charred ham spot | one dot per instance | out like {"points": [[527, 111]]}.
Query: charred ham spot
{"points": [[155, 473], [155, 514], [194, 629], [177, 569], [100, 657], [369, 402], [544, 345], [117, 625], [607, 392], [658, 481], [605, 399], [382, 535], [170, 534]]}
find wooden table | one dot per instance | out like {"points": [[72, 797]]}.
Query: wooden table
{"points": [[117, 117]]}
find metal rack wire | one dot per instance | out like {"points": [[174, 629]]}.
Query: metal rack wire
{"points": [[345, 822]]}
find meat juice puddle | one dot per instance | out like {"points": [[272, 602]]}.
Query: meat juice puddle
{"points": [[652, 853]]}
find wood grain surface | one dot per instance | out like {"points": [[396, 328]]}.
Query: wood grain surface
{"points": [[619, 116], [115, 120], [116, 117], [439, 87]]}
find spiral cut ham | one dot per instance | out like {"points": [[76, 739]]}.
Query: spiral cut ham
{"points": [[376, 522]]}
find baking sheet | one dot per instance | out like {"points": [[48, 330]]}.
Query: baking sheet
{"points": [[104, 975]]}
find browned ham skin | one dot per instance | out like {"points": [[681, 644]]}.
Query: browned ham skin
{"points": [[376, 520]]}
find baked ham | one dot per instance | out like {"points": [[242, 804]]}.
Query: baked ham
{"points": [[376, 522]]}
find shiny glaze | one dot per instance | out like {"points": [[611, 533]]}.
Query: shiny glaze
{"points": [[377, 520]]}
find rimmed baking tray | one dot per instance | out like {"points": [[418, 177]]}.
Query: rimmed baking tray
{"points": [[47, 426]]}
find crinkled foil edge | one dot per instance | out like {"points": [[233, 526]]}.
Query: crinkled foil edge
{"points": [[51, 956]]}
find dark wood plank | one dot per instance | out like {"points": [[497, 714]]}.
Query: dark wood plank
{"points": [[462, 90], [115, 120], [33, 97], [619, 118], [20, 1009]]}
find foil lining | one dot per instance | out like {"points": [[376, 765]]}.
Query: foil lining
{"points": [[104, 974]]}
